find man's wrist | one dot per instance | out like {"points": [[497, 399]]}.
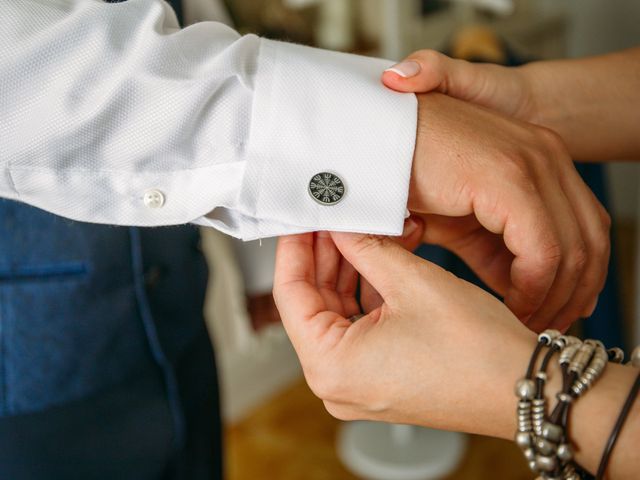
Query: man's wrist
{"points": [[414, 182]]}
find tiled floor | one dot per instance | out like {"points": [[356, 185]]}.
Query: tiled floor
{"points": [[292, 437]]}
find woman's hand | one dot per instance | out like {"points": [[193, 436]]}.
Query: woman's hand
{"points": [[592, 103], [507, 90], [436, 351]]}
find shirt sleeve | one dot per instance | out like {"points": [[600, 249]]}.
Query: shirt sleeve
{"points": [[109, 113]]}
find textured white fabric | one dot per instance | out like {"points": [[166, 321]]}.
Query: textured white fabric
{"points": [[102, 102], [202, 10]]}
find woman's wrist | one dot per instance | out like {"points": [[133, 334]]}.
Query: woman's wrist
{"points": [[594, 416], [544, 106], [591, 419], [488, 403]]}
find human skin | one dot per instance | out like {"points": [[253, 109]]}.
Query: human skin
{"points": [[505, 196], [592, 103], [435, 351]]}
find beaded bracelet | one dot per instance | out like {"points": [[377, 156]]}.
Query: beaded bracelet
{"points": [[543, 439]]}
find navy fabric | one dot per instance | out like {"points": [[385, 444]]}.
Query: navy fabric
{"points": [[69, 325], [91, 311], [123, 433]]}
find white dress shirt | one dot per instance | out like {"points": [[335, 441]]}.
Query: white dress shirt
{"points": [[109, 113]]}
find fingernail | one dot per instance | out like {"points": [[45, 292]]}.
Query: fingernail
{"points": [[405, 69], [410, 227]]}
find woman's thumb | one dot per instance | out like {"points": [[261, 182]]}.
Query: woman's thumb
{"points": [[428, 70]]}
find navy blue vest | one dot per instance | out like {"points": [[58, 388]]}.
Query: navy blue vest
{"points": [[84, 307]]}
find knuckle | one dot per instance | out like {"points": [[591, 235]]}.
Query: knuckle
{"points": [[516, 171], [553, 148], [578, 257], [605, 220], [551, 139], [549, 256], [602, 244], [366, 243], [600, 241], [429, 56]]}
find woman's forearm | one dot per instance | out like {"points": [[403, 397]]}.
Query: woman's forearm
{"points": [[593, 103], [592, 417]]}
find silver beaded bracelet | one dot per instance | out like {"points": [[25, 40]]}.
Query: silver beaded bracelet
{"points": [[542, 437]]}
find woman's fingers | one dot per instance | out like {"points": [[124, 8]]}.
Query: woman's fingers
{"points": [[493, 86], [327, 268], [411, 238], [346, 287], [383, 263], [429, 70], [302, 307]]}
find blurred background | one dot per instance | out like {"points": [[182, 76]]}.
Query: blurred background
{"points": [[275, 428]]}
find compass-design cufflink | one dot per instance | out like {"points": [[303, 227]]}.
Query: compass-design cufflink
{"points": [[327, 188]]}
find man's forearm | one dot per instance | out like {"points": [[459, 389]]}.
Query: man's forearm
{"points": [[592, 103], [112, 114]]}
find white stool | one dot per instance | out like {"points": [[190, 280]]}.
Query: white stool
{"points": [[382, 451]]}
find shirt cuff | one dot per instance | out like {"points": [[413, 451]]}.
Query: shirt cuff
{"points": [[317, 111]]}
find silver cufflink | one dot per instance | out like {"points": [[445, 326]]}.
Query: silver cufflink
{"points": [[327, 188]]}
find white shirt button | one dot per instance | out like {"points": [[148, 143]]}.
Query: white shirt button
{"points": [[153, 198]]}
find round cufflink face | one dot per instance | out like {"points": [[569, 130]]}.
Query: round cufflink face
{"points": [[326, 188]]}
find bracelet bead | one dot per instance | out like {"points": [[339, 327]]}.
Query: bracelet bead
{"points": [[616, 355], [546, 463], [581, 358], [548, 336], [538, 411], [525, 389], [524, 440], [544, 447], [552, 432], [564, 452], [635, 357]]}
